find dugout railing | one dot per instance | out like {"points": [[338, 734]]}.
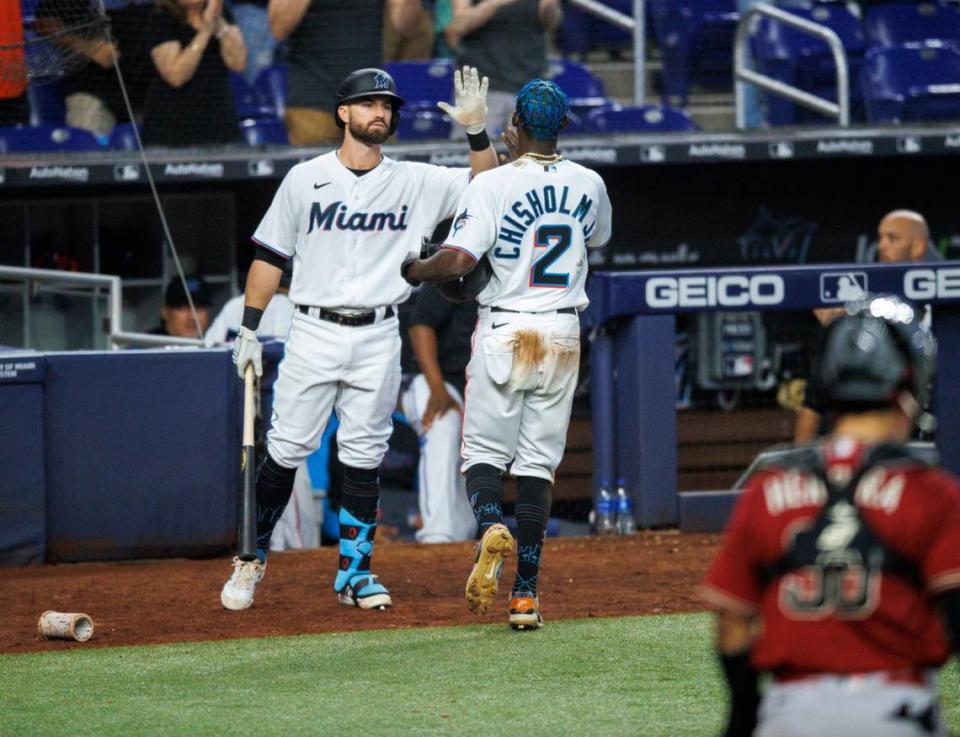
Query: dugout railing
{"points": [[633, 319]]}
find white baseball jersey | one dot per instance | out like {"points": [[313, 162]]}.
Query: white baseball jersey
{"points": [[534, 220], [275, 322], [348, 234]]}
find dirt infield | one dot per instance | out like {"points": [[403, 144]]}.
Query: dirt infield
{"points": [[146, 602]]}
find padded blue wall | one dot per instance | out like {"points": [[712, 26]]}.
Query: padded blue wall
{"points": [[142, 454]]}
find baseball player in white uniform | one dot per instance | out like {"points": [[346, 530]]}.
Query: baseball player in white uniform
{"points": [[533, 220], [347, 219]]}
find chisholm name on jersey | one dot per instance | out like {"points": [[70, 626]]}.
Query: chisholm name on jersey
{"points": [[537, 203], [335, 215]]}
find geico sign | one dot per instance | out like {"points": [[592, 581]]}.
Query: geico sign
{"points": [[929, 283], [734, 290]]}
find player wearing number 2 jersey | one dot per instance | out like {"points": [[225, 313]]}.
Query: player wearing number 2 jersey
{"points": [[533, 220], [840, 571]]}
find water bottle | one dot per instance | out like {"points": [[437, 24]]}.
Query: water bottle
{"points": [[626, 524], [605, 514]]}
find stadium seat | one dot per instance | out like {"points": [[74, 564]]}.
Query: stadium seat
{"points": [[893, 24], [582, 32], [804, 61], [46, 104], [248, 100], [423, 125], [584, 90], [264, 132], [271, 89], [122, 138], [696, 38], [46, 138], [423, 81], [643, 119], [915, 82]]}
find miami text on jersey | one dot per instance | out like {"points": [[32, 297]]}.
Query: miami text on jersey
{"points": [[335, 215], [537, 202]]}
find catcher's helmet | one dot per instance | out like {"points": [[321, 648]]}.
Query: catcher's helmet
{"points": [[370, 82], [874, 352]]}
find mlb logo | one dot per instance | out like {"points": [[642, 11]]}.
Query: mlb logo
{"points": [[909, 145], [781, 150], [126, 172], [260, 168], [3, 176], [654, 154], [843, 286]]}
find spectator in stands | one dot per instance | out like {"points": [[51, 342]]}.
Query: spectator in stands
{"points": [[92, 95], [903, 235], [506, 39], [251, 17], [325, 42], [433, 404], [193, 47], [442, 17], [176, 318], [415, 46]]}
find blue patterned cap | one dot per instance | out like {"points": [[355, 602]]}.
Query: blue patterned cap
{"points": [[542, 106]]}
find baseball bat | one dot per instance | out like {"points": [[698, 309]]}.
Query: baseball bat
{"points": [[247, 534]]}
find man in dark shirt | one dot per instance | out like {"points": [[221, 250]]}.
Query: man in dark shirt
{"points": [[176, 319], [433, 403]]}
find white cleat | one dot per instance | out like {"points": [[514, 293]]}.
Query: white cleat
{"points": [[238, 591]]}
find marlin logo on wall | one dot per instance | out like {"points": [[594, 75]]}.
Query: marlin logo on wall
{"points": [[770, 240]]}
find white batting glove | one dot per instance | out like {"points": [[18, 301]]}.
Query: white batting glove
{"points": [[469, 107], [247, 349]]}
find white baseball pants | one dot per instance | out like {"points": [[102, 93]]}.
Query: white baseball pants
{"points": [[520, 383], [446, 512], [354, 370]]}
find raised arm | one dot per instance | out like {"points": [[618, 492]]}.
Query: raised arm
{"points": [[404, 15], [550, 14], [285, 15], [233, 48], [469, 109], [468, 17]]}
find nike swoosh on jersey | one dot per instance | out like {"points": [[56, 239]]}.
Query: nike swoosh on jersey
{"points": [[319, 186], [498, 325]]}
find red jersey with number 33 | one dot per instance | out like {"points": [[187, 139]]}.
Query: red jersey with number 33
{"points": [[846, 619]]}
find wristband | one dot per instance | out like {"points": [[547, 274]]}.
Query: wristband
{"points": [[251, 318], [478, 141]]}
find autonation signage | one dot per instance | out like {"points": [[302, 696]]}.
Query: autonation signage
{"points": [[730, 290]]}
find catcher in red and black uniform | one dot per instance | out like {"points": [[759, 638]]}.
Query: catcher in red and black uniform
{"points": [[840, 571]]}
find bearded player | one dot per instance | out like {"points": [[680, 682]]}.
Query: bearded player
{"points": [[347, 219], [533, 221], [840, 571]]}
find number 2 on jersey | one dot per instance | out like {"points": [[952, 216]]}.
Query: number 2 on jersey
{"points": [[556, 239]]}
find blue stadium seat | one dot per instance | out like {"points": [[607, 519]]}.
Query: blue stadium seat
{"points": [[122, 138], [271, 89], [45, 138], [893, 24], [806, 62], [423, 81], [264, 132], [423, 125], [46, 104], [915, 82], [585, 90], [643, 119], [696, 39], [582, 32], [248, 100]]}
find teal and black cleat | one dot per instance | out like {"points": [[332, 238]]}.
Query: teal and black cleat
{"points": [[354, 584]]}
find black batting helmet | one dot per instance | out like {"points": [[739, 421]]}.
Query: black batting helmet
{"points": [[370, 82], [875, 352]]}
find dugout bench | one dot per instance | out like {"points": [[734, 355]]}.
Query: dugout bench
{"points": [[632, 316]]}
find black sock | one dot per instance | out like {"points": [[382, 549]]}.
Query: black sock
{"points": [[361, 492], [485, 493], [532, 513], [274, 487]]}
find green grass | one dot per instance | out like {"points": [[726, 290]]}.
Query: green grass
{"points": [[637, 675]]}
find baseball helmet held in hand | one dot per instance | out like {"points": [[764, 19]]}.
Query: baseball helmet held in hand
{"points": [[468, 286], [370, 82]]}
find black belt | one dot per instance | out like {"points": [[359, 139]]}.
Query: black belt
{"points": [[354, 321], [561, 311]]}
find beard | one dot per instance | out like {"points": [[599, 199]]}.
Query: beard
{"points": [[369, 135]]}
